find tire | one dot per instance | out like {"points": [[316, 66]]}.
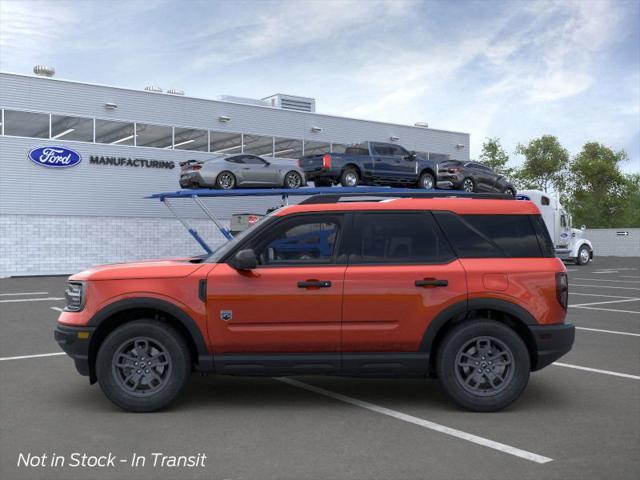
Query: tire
{"points": [[225, 180], [322, 182], [293, 180], [134, 390], [510, 191], [461, 346], [426, 181], [349, 177], [584, 255], [468, 185]]}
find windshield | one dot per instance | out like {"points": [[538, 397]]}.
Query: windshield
{"points": [[226, 247]]}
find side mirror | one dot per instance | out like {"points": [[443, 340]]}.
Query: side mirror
{"points": [[412, 156], [244, 260]]}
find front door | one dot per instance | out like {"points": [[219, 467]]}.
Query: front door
{"points": [[291, 303], [401, 274]]}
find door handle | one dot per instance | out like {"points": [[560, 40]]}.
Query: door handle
{"points": [[431, 282], [314, 284]]}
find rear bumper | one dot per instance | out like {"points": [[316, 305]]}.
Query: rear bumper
{"points": [[75, 343], [551, 342]]}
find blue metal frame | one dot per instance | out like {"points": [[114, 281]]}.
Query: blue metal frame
{"points": [[196, 194]]}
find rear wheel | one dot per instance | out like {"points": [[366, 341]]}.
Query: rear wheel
{"points": [[293, 179], [226, 181], [349, 177], [142, 365], [426, 181], [510, 191], [483, 365], [468, 185], [584, 255]]}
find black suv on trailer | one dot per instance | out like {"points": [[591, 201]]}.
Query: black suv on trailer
{"points": [[472, 177]]}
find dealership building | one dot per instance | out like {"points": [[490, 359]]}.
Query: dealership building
{"points": [[127, 144]]}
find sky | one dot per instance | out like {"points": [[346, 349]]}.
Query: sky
{"points": [[510, 69]]}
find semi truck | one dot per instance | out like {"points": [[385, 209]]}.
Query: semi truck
{"points": [[570, 243]]}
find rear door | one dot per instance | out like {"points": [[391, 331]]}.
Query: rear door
{"points": [[383, 161], [401, 274]]}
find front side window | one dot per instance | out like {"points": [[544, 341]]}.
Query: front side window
{"points": [[398, 151], [299, 241], [398, 238]]}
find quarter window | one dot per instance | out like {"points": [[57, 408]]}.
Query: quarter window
{"points": [[466, 240], [398, 238], [514, 234]]}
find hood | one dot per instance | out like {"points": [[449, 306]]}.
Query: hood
{"points": [[176, 268]]}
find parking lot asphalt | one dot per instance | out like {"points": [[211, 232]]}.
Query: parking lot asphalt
{"points": [[578, 418]]}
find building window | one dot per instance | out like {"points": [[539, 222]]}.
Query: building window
{"points": [[225, 143], [287, 148], [316, 148], [258, 145], [115, 133], [26, 124], [72, 128], [157, 136], [191, 139]]}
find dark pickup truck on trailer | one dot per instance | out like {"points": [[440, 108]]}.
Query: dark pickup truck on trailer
{"points": [[370, 163]]}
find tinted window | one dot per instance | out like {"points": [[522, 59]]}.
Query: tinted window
{"points": [[239, 159], [514, 234], [356, 151], [544, 239], [308, 240], [544, 200], [252, 160], [400, 238], [466, 240], [398, 151], [382, 150]]}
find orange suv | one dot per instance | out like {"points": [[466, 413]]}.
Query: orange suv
{"points": [[467, 290]]}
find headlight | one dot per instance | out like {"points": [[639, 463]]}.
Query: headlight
{"points": [[74, 295]]}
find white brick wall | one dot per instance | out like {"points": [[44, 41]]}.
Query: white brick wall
{"points": [[607, 242], [48, 245]]}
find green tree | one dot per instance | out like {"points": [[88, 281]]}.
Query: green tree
{"points": [[630, 216], [600, 195], [495, 157], [545, 164]]}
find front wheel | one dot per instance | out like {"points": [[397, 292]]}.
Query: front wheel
{"points": [[584, 255], [142, 365], [483, 365], [510, 191], [293, 179], [426, 181]]}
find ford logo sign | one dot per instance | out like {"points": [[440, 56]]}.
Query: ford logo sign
{"points": [[55, 157]]}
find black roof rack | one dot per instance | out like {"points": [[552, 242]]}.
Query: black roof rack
{"points": [[380, 196]]}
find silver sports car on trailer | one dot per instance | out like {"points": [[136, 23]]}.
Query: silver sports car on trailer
{"points": [[244, 170]]}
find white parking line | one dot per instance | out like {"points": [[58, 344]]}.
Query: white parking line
{"points": [[23, 357], [602, 303], [485, 442], [629, 276], [607, 280], [597, 370], [23, 293], [597, 295], [607, 271], [609, 310], [603, 286], [31, 299], [57, 309], [608, 331]]}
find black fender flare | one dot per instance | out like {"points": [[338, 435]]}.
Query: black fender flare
{"points": [[464, 307], [163, 306]]}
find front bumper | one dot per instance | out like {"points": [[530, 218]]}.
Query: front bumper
{"points": [[551, 342], [75, 343]]}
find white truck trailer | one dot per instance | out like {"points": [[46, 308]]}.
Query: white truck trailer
{"points": [[570, 243]]}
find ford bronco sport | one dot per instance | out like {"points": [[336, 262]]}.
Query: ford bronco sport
{"points": [[463, 289]]}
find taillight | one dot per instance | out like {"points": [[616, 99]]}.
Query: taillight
{"points": [[299, 163], [326, 161], [453, 170], [562, 289]]}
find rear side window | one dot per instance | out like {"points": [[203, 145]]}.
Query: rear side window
{"points": [[398, 238], [514, 234], [467, 241], [356, 151], [544, 239]]}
